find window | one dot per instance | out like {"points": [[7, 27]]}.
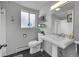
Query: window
{"points": [[27, 20]]}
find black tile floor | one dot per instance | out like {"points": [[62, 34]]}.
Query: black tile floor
{"points": [[26, 53]]}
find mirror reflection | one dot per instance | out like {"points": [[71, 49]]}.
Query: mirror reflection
{"points": [[63, 20]]}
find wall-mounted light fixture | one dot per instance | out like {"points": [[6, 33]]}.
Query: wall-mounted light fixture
{"points": [[57, 4]]}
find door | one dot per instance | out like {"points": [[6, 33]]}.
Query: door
{"points": [[2, 32], [57, 27]]}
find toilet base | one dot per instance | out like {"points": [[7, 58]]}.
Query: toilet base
{"points": [[34, 49]]}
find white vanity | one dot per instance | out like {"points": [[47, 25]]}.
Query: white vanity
{"points": [[56, 41]]}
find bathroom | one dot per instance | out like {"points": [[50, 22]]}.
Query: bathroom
{"points": [[58, 25], [37, 38]]}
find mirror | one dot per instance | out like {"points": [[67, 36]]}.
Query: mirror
{"points": [[63, 20]]}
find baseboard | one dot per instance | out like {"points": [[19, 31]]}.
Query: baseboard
{"points": [[15, 53]]}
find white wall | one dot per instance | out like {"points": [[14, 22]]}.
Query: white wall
{"points": [[65, 27], [15, 40], [76, 20]]}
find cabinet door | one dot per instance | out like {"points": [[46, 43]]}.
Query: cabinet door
{"points": [[48, 47]]}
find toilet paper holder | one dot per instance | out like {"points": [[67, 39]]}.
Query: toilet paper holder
{"points": [[24, 35]]}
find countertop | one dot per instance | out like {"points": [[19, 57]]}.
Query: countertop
{"points": [[56, 40]]}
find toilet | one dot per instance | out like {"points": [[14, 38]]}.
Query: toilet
{"points": [[35, 46]]}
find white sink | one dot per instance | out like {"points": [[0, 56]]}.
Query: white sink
{"points": [[56, 40]]}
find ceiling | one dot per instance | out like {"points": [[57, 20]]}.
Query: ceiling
{"points": [[62, 14], [34, 4], [38, 5]]}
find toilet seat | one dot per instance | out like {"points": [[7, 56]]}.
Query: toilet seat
{"points": [[34, 43]]}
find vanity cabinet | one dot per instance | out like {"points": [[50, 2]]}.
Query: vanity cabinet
{"points": [[51, 44], [47, 46], [55, 51], [70, 51]]}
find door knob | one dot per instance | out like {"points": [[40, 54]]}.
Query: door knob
{"points": [[1, 46], [4, 45]]}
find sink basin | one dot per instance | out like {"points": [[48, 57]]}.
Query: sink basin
{"points": [[56, 40]]}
